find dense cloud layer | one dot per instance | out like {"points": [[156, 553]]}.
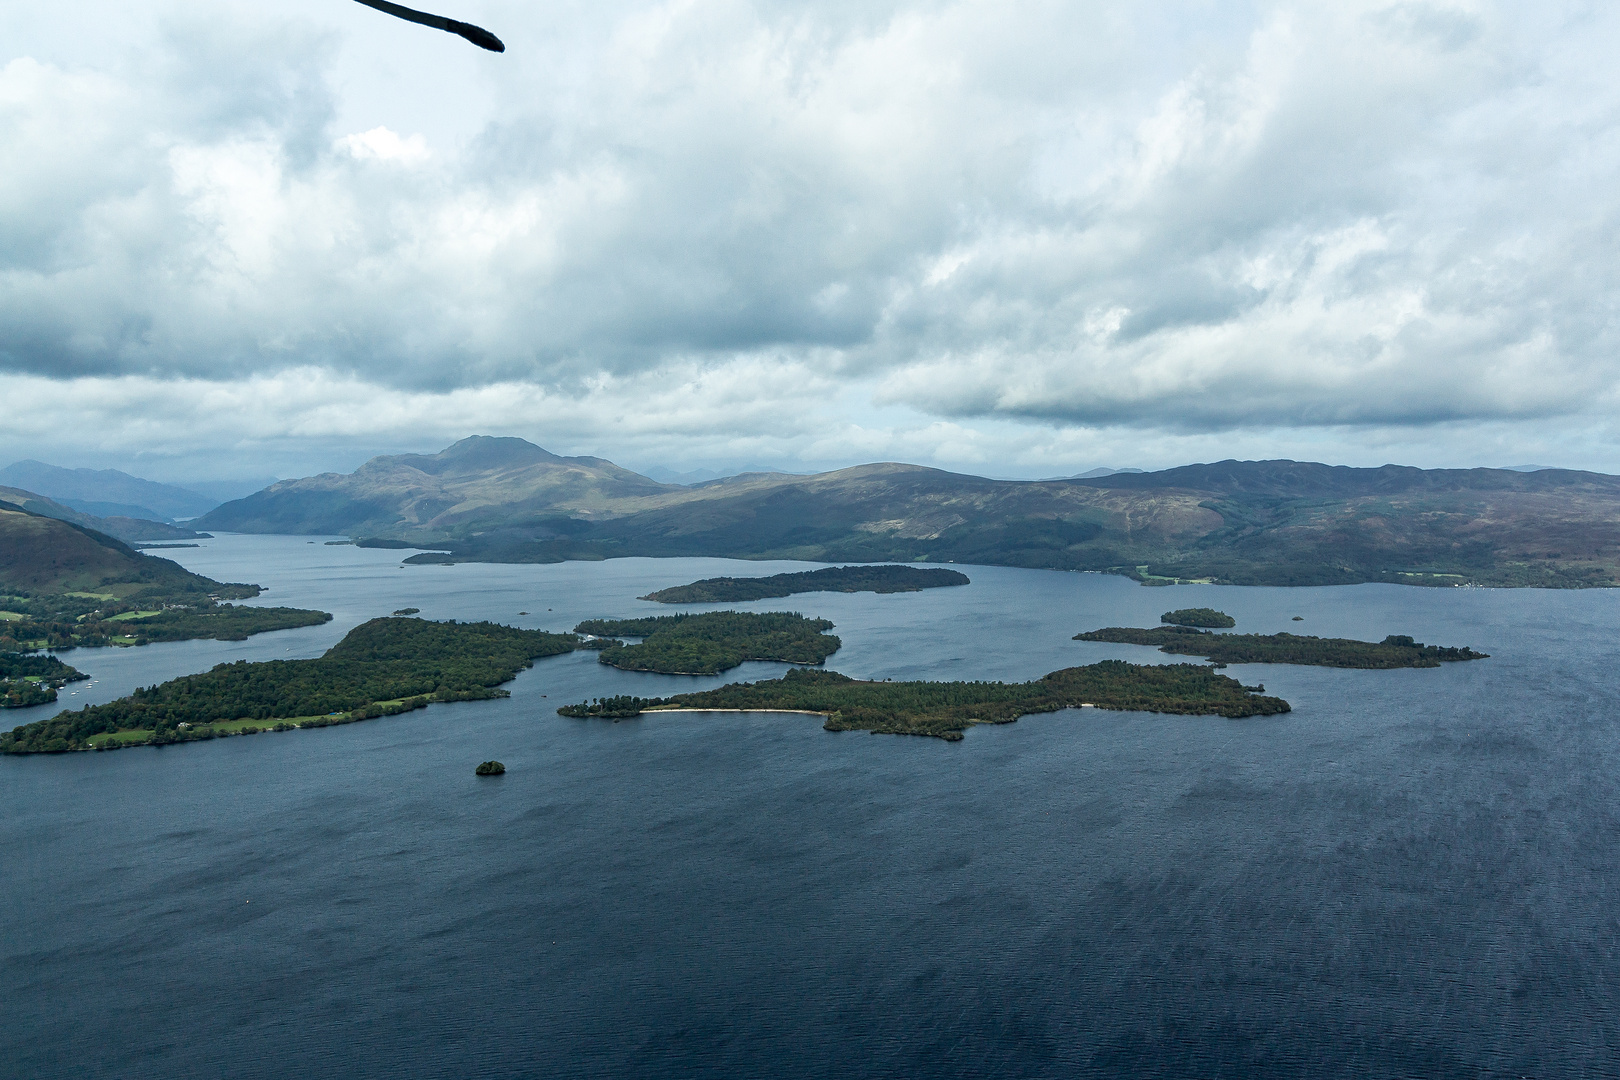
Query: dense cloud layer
{"points": [[962, 217]]}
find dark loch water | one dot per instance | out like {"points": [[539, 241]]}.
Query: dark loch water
{"points": [[1415, 873]]}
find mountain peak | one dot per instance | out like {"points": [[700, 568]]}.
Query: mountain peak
{"points": [[474, 454], [495, 450]]}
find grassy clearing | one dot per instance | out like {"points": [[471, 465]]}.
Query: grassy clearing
{"points": [[223, 728], [93, 595], [1146, 578], [120, 738], [11, 616], [226, 728], [220, 728], [234, 727], [131, 616]]}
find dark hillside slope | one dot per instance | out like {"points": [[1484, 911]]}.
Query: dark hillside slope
{"points": [[872, 513], [41, 554], [1301, 523], [905, 513]]}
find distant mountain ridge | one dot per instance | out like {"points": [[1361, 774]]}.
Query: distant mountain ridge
{"points": [[1308, 479], [106, 492], [481, 478], [703, 476], [1102, 471], [1243, 522]]}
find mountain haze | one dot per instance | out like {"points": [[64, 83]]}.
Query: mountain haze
{"points": [[106, 492], [1241, 522]]}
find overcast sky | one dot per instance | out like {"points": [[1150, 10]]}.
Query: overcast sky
{"points": [[1012, 238]]}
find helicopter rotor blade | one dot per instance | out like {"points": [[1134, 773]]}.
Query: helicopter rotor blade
{"points": [[475, 34]]}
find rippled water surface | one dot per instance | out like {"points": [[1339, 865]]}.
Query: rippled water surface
{"points": [[1414, 873]]}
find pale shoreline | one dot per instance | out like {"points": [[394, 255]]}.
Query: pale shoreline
{"points": [[796, 712]]}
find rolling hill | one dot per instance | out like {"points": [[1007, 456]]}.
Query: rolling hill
{"points": [[1241, 522], [45, 555]]}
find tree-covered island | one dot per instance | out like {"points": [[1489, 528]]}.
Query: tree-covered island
{"points": [[946, 709], [382, 667], [1395, 651], [712, 642], [1199, 616], [876, 579]]}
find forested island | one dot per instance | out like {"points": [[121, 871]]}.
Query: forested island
{"points": [[876, 579], [382, 667], [946, 709], [1395, 651], [33, 680], [710, 643], [1198, 616]]}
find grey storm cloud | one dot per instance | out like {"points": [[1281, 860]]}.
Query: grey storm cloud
{"points": [[1178, 216]]}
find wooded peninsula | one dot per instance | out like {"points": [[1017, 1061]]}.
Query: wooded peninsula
{"points": [[63, 585], [849, 579], [712, 642], [1395, 651], [382, 667], [133, 623], [33, 680], [946, 709]]}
